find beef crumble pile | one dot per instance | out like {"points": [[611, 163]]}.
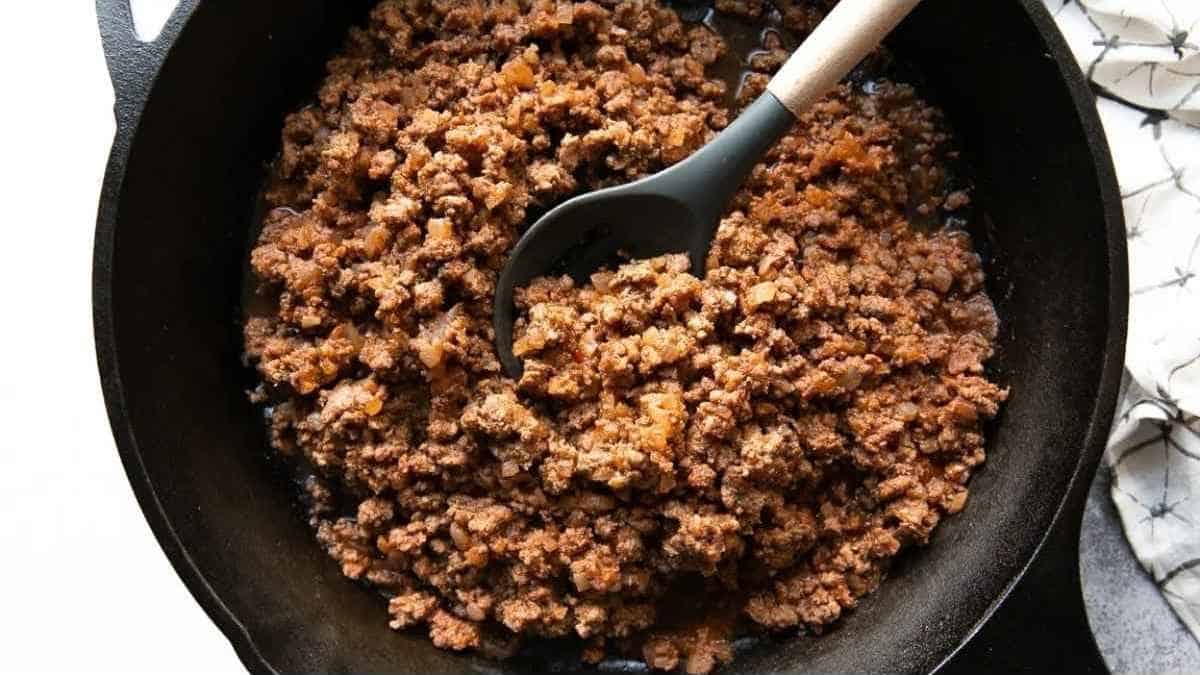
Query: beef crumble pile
{"points": [[774, 431]]}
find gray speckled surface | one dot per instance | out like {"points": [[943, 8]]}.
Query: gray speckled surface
{"points": [[1134, 627]]}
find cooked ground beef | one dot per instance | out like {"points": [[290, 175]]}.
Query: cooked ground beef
{"points": [[773, 429]]}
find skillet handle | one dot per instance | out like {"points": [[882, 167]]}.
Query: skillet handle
{"points": [[132, 63]]}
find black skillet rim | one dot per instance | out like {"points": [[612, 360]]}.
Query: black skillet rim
{"points": [[134, 68]]}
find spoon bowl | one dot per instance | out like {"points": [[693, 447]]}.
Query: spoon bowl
{"points": [[678, 209], [592, 231]]}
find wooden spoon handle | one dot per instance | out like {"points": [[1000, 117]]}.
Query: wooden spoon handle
{"points": [[840, 42]]}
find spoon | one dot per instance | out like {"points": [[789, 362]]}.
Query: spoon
{"points": [[679, 208]]}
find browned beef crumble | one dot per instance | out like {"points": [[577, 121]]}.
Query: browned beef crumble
{"points": [[775, 430]]}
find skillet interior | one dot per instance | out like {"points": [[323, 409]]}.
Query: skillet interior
{"points": [[172, 233]]}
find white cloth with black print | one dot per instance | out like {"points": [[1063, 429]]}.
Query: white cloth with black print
{"points": [[1142, 58]]}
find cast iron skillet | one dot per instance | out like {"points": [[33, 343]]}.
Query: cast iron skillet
{"points": [[198, 114]]}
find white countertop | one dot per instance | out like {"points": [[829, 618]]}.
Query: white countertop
{"points": [[83, 584]]}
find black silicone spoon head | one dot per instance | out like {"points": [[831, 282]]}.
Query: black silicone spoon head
{"points": [[592, 231], [677, 210], [674, 211]]}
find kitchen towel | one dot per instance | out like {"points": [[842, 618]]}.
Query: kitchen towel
{"points": [[1142, 59]]}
